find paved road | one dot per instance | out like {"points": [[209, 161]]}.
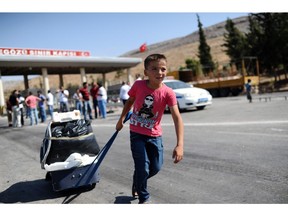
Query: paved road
{"points": [[235, 152]]}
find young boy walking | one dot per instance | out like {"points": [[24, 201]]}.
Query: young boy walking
{"points": [[248, 88], [149, 99]]}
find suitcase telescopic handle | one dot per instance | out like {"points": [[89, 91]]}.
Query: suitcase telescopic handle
{"points": [[127, 117], [99, 158]]}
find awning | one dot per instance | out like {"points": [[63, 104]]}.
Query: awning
{"points": [[31, 65]]}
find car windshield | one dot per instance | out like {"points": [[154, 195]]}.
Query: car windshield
{"points": [[177, 85]]}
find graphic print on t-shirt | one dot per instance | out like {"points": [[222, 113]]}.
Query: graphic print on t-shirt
{"points": [[147, 106]]}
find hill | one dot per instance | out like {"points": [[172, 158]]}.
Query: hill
{"points": [[177, 50]]}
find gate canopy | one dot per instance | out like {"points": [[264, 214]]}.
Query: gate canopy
{"points": [[31, 65]]}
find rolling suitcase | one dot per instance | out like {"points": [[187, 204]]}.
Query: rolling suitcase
{"points": [[54, 156], [69, 137]]}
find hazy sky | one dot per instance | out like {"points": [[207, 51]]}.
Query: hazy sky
{"points": [[103, 34]]}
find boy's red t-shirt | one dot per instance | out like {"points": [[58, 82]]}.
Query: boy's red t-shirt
{"points": [[149, 107]]}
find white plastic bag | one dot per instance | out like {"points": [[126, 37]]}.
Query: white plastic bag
{"points": [[74, 160]]}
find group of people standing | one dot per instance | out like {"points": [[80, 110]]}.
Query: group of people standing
{"points": [[99, 100], [15, 109], [35, 106], [17, 106]]}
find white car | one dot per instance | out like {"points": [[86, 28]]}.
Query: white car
{"points": [[189, 96]]}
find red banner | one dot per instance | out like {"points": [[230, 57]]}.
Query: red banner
{"points": [[41, 52]]}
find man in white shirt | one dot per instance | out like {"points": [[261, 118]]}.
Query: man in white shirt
{"points": [[124, 92], [50, 103], [102, 100], [21, 107], [63, 98]]}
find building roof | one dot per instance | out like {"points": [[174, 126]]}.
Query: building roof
{"points": [[31, 65]]}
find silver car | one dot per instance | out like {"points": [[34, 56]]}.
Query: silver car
{"points": [[189, 96]]}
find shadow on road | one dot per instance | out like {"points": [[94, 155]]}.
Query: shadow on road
{"points": [[124, 199], [30, 191]]}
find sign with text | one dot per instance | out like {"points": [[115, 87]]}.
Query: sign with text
{"points": [[41, 52]]}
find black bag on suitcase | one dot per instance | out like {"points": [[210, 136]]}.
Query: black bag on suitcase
{"points": [[63, 139]]}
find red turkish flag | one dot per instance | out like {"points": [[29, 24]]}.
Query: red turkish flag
{"points": [[143, 47]]}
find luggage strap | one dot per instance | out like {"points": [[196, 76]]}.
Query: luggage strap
{"points": [[99, 158]]}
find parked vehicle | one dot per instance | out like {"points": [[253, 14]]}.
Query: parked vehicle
{"points": [[189, 96], [223, 83]]}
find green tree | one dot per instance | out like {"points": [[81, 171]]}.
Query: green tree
{"points": [[253, 38], [194, 66], [204, 50], [268, 39], [283, 40], [191, 64], [235, 43]]}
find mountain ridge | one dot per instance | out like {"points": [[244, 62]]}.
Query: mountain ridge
{"points": [[214, 31]]}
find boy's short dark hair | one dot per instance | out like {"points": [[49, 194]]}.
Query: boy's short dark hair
{"points": [[153, 57]]}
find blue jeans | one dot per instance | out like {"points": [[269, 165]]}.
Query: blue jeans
{"points": [[87, 109], [78, 106], [102, 107], [147, 153], [33, 114], [42, 111], [51, 110], [64, 107]]}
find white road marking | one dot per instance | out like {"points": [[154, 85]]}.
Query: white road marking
{"points": [[236, 123], [207, 123], [253, 134]]}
